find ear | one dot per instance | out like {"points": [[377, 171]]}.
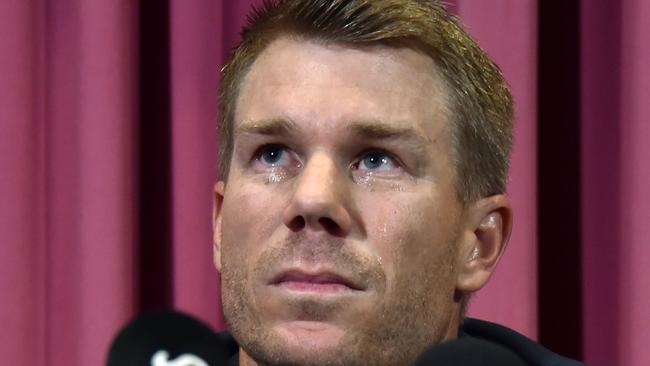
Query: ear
{"points": [[219, 188], [488, 223]]}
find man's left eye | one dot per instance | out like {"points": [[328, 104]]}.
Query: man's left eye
{"points": [[377, 161]]}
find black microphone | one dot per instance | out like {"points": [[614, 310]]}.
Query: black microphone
{"points": [[168, 338], [469, 351]]}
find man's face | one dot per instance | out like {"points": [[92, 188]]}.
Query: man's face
{"points": [[335, 233]]}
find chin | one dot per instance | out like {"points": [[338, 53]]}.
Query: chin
{"points": [[312, 336], [304, 343]]}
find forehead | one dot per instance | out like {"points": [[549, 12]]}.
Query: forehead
{"points": [[306, 80]]}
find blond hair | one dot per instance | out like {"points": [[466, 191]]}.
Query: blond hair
{"points": [[481, 105]]}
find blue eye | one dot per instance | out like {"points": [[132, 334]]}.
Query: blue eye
{"points": [[377, 160], [272, 154]]}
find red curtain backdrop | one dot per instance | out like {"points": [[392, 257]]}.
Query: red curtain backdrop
{"points": [[108, 155]]}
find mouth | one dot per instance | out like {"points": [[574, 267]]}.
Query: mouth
{"points": [[318, 282]]}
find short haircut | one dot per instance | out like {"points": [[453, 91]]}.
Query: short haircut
{"points": [[481, 105]]}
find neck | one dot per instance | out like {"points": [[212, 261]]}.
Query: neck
{"points": [[454, 327], [245, 359]]}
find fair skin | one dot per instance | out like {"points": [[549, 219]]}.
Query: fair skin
{"points": [[339, 234]]}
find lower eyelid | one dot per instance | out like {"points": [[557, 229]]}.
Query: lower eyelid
{"points": [[288, 162], [393, 163]]}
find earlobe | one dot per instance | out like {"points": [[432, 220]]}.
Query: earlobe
{"points": [[489, 222], [219, 188]]}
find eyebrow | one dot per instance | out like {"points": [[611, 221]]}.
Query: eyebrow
{"points": [[368, 129], [378, 130], [281, 127]]}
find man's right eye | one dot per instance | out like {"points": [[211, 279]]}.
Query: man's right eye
{"points": [[273, 155]]}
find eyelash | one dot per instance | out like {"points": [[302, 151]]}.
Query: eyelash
{"points": [[257, 156], [394, 160]]}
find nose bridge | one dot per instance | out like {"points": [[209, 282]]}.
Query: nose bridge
{"points": [[319, 198], [319, 178]]}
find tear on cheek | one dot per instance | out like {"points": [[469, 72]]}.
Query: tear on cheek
{"points": [[373, 183], [276, 177]]}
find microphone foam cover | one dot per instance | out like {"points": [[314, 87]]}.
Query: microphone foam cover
{"points": [[166, 338]]}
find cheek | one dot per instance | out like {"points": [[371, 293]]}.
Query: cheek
{"points": [[249, 216], [409, 233]]}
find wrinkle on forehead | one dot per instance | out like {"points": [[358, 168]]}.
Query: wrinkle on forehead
{"points": [[393, 71]]}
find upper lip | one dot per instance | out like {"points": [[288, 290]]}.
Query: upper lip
{"points": [[325, 276]]}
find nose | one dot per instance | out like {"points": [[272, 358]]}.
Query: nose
{"points": [[320, 198]]}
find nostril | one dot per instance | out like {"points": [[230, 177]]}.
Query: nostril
{"points": [[330, 226], [298, 223]]}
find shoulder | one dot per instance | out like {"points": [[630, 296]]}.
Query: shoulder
{"points": [[529, 351]]}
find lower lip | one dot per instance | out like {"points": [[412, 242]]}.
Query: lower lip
{"points": [[321, 288]]}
